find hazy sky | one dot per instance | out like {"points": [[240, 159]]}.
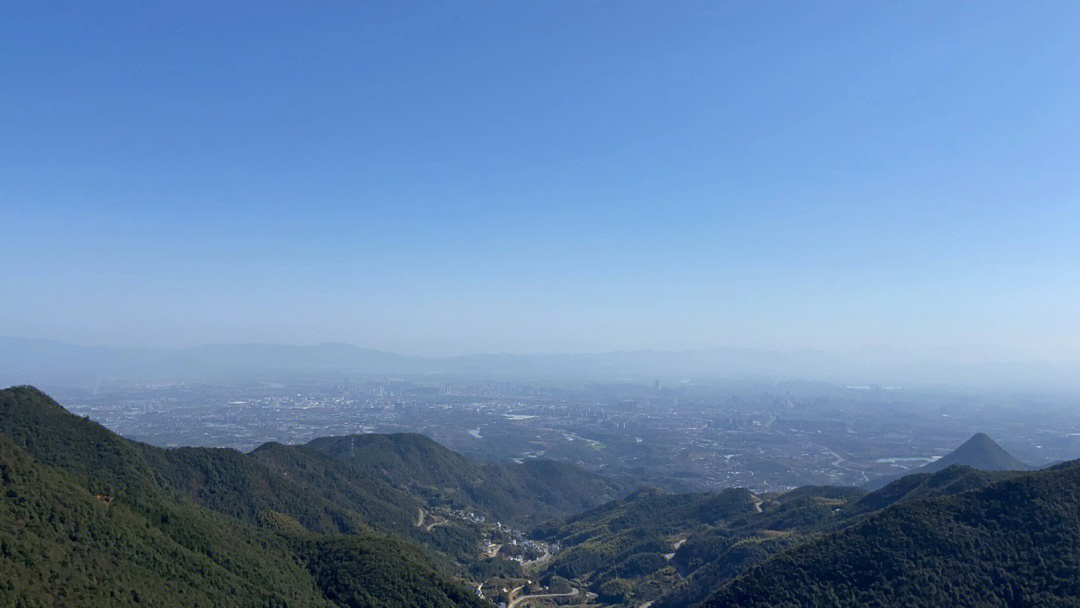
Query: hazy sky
{"points": [[456, 177]]}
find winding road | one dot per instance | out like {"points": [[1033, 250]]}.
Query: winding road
{"points": [[541, 596], [838, 461]]}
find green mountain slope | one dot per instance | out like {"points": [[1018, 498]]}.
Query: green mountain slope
{"points": [[659, 512], [711, 558], [90, 518], [1015, 542], [678, 548], [664, 548], [321, 495], [62, 545], [521, 494], [275, 485], [948, 481]]}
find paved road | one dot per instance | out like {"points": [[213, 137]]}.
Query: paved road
{"points": [[542, 596], [757, 502], [838, 461], [537, 561]]}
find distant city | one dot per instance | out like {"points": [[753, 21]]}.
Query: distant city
{"points": [[680, 437]]}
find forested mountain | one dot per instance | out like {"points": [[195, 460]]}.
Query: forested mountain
{"points": [[1015, 542], [63, 544], [930, 539], [90, 518], [521, 494], [280, 512], [952, 480], [675, 549], [274, 485], [980, 452]]}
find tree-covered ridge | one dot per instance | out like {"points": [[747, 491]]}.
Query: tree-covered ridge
{"points": [[274, 484], [661, 512], [379, 573], [675, 549], [950, 480], [62, 544], [317, 491], [658, 547], [709, 559], [1015, 542], [520, 494], [90, 518]]}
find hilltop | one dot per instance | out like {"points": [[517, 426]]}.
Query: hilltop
{"points": [[980, 452], [521, 494]]}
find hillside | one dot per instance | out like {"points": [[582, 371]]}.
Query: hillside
{"points": [[980, 452], [63, 544], [951, 480], [90, 518], [652, 546], [520, 494], [677, 550], [1011, 543], [275, 483]]}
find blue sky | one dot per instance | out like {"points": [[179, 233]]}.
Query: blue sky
{"points": [[440, 178]]}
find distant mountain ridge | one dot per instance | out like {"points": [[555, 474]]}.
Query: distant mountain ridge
{"points": [[50, 362], [980, 452]]}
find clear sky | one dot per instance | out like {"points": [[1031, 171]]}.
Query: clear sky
{"points": [[450, 177]]}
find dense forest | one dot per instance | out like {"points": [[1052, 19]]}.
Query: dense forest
{"points": [[90, 518], [1015, 542]]}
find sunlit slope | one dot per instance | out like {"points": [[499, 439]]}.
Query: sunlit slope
{"points": [[956, 529], [521, 494], [1015, 542], [90, 518]]}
